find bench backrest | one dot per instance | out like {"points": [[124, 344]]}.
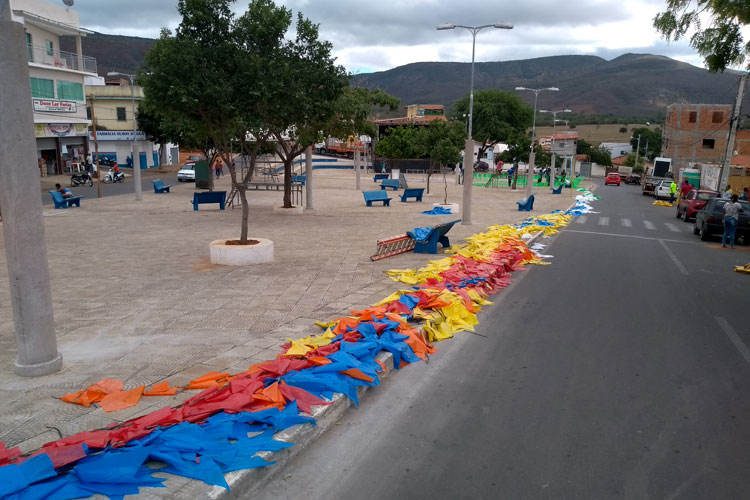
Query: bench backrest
{"points": [[375, 195], [445, 226], [158, 184], [210, 196], [413, 191], [389, 182], [57, 196]]}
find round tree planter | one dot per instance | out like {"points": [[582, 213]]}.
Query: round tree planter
{"points": [[280, 210], [453, 207], [241, 255]]}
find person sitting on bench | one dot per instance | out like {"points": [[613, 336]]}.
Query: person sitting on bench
{"points": [[65, 192]]}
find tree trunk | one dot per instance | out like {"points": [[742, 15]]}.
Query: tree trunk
{"points": [[288, 181], [515, 178], [429, 174], [245, 213]]}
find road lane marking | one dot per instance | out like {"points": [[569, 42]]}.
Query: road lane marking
{"points": [[581, 219], [672, 227], [634, 237], [603, 221], [736, 340], [649, 225], [626, 222], [674, 258]]}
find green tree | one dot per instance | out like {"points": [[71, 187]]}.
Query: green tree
{"points": [[601, 156], [205, 78], [498, 116], [519, 146], [630, 162], [623, 130], [650, 143], [400, 143], [443, 142], [583, 147], [718, 26], [306, 86]]}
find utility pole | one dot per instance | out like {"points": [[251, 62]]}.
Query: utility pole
{"points": [[637, 150], [733, 123], [96, 150], [21, 205]]}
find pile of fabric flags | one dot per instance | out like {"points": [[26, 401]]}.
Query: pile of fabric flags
{"points": [[230, 424], [662, 203]]}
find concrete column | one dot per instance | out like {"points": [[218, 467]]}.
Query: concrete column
{"points": [[308, 179], [21, 204], [357, 173], [552, 171], [468, 181], [79, 53], [530, 173]]}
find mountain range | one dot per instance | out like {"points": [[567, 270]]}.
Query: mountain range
{"points": [[629, 86]]}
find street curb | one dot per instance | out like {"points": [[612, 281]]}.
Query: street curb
{"points": [[246, 482]]}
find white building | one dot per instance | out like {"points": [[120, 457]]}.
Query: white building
{"points": [[57, 83], [617, 149]]}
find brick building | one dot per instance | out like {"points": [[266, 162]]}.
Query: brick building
{"points": [[696, 133]]}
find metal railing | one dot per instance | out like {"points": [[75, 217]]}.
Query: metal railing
{"points": [[60, 59]]}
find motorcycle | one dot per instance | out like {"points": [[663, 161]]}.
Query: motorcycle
{"points": [[105, 161], [80, 179], [113, 177]]}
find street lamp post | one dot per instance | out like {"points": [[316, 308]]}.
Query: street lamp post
{"points": [[554, 158], [469, 146], [136, 167], [530, 173]]}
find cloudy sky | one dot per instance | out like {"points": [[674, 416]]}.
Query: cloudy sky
{"points": [[381, 34]]}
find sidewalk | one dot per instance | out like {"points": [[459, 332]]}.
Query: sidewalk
{"points": [[137, 299]]}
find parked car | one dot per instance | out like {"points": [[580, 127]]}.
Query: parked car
{"points": [[192, 159], [709, 220], [662, 190], [691, 204], [632, 179], [612, 178], [186, 173]]}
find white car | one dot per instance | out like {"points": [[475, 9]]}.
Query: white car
{"points": [[187, 173], [662, 190]]}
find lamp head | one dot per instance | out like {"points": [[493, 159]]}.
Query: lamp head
{"points": [[503, 26], [69, 3], [521, 88], [446, 26], [544, 111], [554, 89], [567, 110]]}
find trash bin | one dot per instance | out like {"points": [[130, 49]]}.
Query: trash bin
{"points": [[202, 175]]}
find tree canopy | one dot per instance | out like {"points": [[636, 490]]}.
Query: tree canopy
{"points": [[650, 141], [498, 117], [718, 26]]}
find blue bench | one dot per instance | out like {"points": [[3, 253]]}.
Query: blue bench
{"points": [[428, 244], [389, 183], [527, 204], [61, 202], [204, 197], [415, 193], [557, 190], [299, 179], [380, 177], [371, 196], [160, 187]]}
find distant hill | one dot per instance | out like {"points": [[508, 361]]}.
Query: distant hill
{"points": [[112, 52], [630, 86]]}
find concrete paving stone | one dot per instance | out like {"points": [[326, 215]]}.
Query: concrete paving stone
{"points": [[161, 310]]}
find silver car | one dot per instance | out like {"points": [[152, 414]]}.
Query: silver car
{"points": [[187, 173]]}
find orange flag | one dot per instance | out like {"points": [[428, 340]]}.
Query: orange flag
{"points": [[121, 400], [161, 389]]}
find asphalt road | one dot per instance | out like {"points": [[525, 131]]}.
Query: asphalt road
{"points": [[114, 189], [620, 371]]}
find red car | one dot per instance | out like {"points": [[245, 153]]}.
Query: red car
{"points": [[612, 178], [692, 203]]}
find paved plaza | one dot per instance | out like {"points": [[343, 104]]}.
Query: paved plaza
{"points": [[136, 298]]}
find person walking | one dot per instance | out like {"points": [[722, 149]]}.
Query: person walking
{"points": [[672, 191], [685, 188], [727, 192], [732, 211], [510, 174], [744, 195]]}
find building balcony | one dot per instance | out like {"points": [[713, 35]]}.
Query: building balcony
{"points": [[61, 59]]}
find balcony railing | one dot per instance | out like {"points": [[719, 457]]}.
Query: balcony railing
{"points": [[60, 59]]}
